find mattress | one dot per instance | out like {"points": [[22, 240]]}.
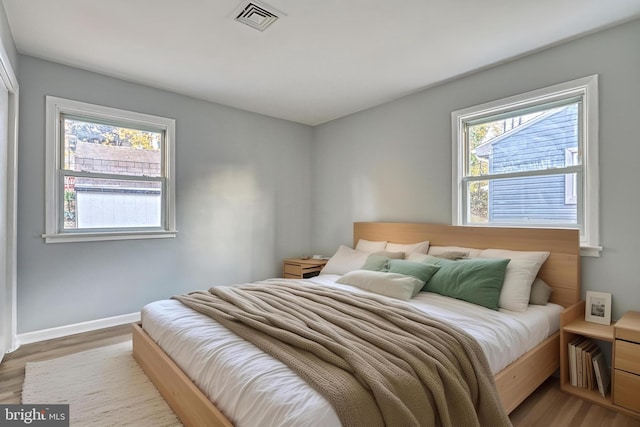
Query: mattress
{"points": [[253, 389]]}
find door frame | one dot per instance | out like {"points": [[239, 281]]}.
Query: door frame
{"points": [[8, 78]]}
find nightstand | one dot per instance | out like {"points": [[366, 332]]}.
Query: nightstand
{"points": [[626, 362], [298, 268], [624, 337]]}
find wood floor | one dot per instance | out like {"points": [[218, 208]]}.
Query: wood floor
{"points": [[12, 366], [547, 407]]}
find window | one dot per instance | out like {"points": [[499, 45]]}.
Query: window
{"points": [[530, 161], [109, 173]]}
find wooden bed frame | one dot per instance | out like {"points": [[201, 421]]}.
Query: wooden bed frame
{"points": [[517, 381]]}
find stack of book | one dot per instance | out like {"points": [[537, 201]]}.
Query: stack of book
{"points": [[587, 366]]}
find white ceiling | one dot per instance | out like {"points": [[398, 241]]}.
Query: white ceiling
{"points": [[324, 60]]}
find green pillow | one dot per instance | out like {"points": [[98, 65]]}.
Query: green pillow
{"points": [[476, 280], [418, 270], [376, 263]]}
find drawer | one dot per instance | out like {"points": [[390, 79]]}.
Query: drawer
{"points": [[628, 327], [290, 276], [293, 269], [628, 334], [626, 390], [627, 357]]}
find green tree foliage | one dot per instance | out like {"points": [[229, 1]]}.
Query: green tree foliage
{"points": [[136, 138], [478, 191], [111, 135]]}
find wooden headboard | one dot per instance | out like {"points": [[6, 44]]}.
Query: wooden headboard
{"points": [[561, 270]]}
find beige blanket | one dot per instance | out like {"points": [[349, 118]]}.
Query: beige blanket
{"points": [[377, 362]]}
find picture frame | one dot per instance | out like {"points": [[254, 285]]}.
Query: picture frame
{"points": [[598, 308]]}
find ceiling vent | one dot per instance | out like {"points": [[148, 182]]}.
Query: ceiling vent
{"points": [[257, 14]]}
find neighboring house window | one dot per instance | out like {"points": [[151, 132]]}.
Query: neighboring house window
{"points": [[109, 173], [530, 161]]}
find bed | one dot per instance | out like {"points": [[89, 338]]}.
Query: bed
{"points": [[514, 382]]}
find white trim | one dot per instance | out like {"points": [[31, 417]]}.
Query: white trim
{"points": [[55, 107], [94, 237], [592, 251], [10, 81], [570, 183], [12, 211], [77, 328], [587, 88], [591, 197]]}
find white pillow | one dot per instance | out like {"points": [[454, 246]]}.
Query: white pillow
{"points": [[420, 248], [371, 247], [520, 274], [392, 255], [439, 250], [450, 255], [345, 260], [393, 285]]}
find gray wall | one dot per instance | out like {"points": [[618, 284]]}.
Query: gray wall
{"points": [[242, 188], [7, 39], [393, 162], [243, 181]]}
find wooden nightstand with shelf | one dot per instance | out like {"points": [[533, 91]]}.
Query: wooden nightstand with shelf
{"points": [[621, 397], [626, 362], [298, 268]]}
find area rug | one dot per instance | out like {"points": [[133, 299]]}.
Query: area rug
{"points": [[103, 387]]}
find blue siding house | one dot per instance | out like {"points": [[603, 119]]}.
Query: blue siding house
{"points": [[548, 141]]}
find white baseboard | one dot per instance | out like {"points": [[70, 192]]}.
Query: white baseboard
{"points": [[76, 328]]}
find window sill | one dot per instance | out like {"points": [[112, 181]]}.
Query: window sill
{"points": [[95, 237], [590, 251]]}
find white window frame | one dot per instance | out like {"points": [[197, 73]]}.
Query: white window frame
{"points": [[586, 89], [570, 184], [55, 108]]}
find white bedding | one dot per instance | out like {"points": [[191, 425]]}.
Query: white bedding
{"points": [[254, 389]]}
